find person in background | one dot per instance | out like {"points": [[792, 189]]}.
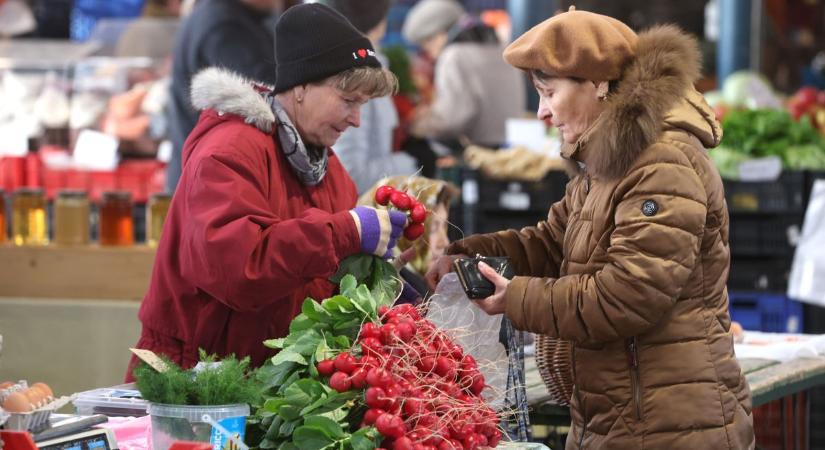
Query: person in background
{"points": [[227, 33], [152, 35], [630, 266], [367, 151], [86, 14], [475, 90], [265, 212], [436, 196]]}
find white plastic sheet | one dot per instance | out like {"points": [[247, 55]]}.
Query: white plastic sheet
{"points": [[476, 331]]}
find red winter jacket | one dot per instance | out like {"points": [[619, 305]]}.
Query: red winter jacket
{"points": [[245, 242]]}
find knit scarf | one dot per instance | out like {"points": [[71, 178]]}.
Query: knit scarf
{"points": [[309, 163]]}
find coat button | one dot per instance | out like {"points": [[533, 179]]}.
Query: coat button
{"points": [[650, 208]]}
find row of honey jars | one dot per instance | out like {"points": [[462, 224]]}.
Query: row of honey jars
{"points": [[72, 213]]}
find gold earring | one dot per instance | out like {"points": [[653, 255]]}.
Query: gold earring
{"points": [[602, 89]]}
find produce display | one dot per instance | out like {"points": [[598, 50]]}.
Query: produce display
{"points": [[757, 123], [354, 373], [754, 133]]}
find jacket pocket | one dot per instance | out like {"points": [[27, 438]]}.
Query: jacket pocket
{"points": [[635, 378]]}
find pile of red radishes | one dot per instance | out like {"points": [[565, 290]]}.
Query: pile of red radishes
{"points": [[416, 211], [420, 390]]}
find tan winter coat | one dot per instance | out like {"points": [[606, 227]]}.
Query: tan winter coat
{"points": [[631, 268]]}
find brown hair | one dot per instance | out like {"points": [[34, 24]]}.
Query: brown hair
{"points": [[612, 85], [370, 81]]}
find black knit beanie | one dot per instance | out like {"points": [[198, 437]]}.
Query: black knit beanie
{"points": [[362, 14], [313, 42]]}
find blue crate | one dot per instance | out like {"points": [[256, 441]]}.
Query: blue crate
{"points": [[766, 312]]}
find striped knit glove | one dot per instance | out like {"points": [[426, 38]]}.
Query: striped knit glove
{"points": [[379, 229]]}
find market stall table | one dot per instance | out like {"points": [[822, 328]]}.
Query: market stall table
{"points": [[769, 380]]}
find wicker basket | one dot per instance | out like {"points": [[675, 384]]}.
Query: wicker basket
{"points": [[554, 360]]}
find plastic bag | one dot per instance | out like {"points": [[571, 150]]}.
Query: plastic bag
{"points": [[807, 279], [475, 331]]}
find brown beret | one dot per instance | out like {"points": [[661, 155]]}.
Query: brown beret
{"points": [[576, 44]]}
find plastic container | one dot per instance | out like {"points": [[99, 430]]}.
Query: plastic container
{"points": [[766, 312], [116, 401], [172, 423]]}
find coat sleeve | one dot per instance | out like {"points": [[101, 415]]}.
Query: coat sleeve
{"points": [[238, 251], [650, 259], [534, 251]]}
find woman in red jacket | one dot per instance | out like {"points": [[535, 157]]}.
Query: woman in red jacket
{"points": [[264, 211]]}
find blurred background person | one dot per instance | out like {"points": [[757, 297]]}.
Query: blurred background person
{"points": [[475, 91], [367, 151], [235, 34]]}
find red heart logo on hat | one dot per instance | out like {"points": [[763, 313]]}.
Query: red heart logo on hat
{"points": [[362, 53]]}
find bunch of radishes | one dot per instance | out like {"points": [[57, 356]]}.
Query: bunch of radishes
{"points": [[421, 391], [416, 211]]}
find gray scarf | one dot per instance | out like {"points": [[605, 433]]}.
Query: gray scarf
{"points": [[308, 162]]}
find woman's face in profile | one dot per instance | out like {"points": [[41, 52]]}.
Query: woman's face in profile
{"points": [[569, 105], [325, 112]]}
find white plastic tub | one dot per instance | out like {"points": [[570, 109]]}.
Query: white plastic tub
{"points": [[171, 423]]}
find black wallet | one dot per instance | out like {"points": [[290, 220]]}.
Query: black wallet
{"points": [[476, 285]]}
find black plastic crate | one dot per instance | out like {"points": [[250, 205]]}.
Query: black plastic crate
{"points": [[810, 177], [759, 274], [502, 195], [787, 194], [755, 235]]}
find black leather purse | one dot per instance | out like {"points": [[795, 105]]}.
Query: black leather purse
{"points": [[476, 285]]}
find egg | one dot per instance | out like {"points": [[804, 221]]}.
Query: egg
{"points": [[44, 388], [35, 397], [17, 403]]}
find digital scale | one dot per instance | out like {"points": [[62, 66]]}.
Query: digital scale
{"points": [[94, 439], [67, 432]]}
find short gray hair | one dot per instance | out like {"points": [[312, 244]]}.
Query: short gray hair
{"points": [[370, 81]]}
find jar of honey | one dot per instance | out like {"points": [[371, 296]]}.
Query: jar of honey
{"points": [[28, 217], [116, 221], [71, 218], [156, 212]]}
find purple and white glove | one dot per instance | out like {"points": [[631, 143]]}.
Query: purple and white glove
{"points": [[379, 229]]}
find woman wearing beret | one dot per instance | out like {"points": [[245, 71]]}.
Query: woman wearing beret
{"points": [[264, 211], [631, 265]]}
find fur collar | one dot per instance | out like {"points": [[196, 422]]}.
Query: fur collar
{"points": [[666, 64], [228, 92]]}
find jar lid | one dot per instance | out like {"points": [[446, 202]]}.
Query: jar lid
{"points": [[117, 195], [71, 193], [29, 191], [160, 196]]}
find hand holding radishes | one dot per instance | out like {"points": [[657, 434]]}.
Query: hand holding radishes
{"points": [[379, 229], [389, 196]]}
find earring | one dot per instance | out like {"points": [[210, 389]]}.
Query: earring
{"points": [[601, 90]]}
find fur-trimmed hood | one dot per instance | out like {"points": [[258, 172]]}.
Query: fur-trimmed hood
{"points": [[227, 92], [655, 93]]}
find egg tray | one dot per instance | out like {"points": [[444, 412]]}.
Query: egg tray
{"points": [[38, 419]]}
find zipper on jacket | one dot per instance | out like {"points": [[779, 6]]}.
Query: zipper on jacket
{"points": [[578, 397], [635, 380]]}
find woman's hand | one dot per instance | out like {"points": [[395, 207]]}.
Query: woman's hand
{"points": [[440, 267], [496, 303]]}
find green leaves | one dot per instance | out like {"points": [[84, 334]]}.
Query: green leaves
{"points": [[223, 382], [378, 276], [300, 411]]}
